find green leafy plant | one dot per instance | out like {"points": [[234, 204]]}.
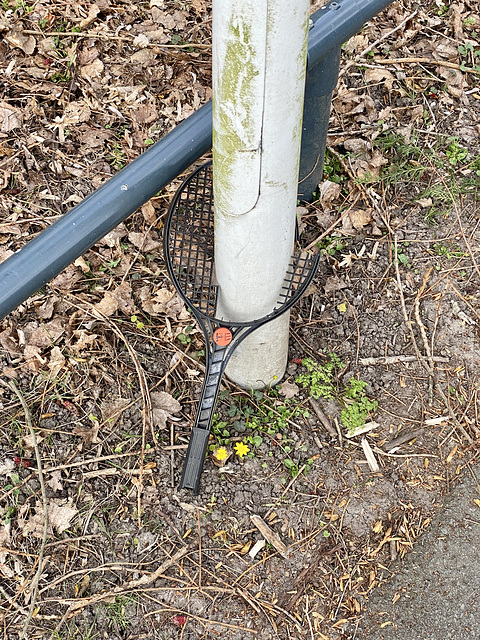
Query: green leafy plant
{"points": [[357, 405], [321, 379], [455, 153], [321, 382]]}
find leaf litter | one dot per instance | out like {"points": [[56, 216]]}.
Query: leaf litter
{"points": [[89, 88]]}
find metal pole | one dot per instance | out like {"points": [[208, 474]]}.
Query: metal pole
{"points": [[64, 241], [321, 81], [259, 67], [337, 21]]}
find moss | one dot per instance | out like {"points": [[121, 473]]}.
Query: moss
{"points": [[236, 86]]}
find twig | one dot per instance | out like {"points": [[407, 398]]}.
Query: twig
{"points": [[270, 535], [405, 437], [146, 399], [421, 327], [387, 360], [108, 36], [407, 320], [80, 603], [440, 63], [322, 417], [28, 419], [377, 42]]}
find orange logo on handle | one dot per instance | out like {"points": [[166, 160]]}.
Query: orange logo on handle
{"points": [[222, 336]]}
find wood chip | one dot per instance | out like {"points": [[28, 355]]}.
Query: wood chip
{"points": [[270, 535], [372, 461], [258, 546]]}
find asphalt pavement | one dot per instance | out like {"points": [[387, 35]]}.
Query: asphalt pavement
{"points": [[435, 594]]}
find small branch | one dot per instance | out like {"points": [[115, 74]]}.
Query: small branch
{"points": [[440, 63], [322, 417], [270, 535], [387, 360]]}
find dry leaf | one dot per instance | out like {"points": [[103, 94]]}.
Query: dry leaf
{"points": [[66, 280], [329, 191], [55, 481], [334, 283], [163, 406], [120, 299], [143, 242], [43, 335], [380, 76], [289, 389], [199, 6], [74, 113], [10, 344], [92, 70], [26, 43], [148, 212], [93, 11], [85, 340], [114, 237], [163, 302], [60, 515], [88, 434], [112, 410], [56, 362], [6, 466], [360, 218], [10, 117]]}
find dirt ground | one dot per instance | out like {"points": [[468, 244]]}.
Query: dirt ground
{"points": [[106, 364]]}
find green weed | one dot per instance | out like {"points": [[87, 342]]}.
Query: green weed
{"points": [[321, 382]]}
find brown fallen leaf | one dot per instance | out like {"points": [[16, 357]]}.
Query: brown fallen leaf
{"points": [[60, 514], [10, 117], [163, 407], [119, 299], [143, 241], [26, 43], [360, 218], [43, 335], [89, 434], [112, 409], [289, 389], [93, 11], [56, 361], [329, 191], [55, 481], [148, 212]]}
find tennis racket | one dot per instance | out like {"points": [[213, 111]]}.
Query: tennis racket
{"points": [[189, 256]]}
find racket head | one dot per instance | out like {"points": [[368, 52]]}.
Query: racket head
{"points": [[189, 253]]}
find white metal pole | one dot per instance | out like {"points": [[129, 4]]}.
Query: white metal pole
{"points": [[259, 66]]}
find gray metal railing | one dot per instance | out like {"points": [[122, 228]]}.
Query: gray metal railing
{"points": [[73, 234]]}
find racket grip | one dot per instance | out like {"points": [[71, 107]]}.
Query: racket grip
{"points": [[196, 451]]}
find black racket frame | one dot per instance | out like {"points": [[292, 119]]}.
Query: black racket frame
{"points": [[188, 239]]}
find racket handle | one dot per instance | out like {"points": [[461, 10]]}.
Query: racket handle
{"points": [[196, 451]]}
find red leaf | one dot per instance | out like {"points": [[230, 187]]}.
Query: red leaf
{"points": [[296, 360], [179, 620], [17, 460]]}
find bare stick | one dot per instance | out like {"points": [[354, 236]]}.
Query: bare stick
{"points": [[269, 535], [322, 417], [387, 360]]}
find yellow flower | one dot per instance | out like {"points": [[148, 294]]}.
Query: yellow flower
{"points": [[241, 449], [221, 453]]}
